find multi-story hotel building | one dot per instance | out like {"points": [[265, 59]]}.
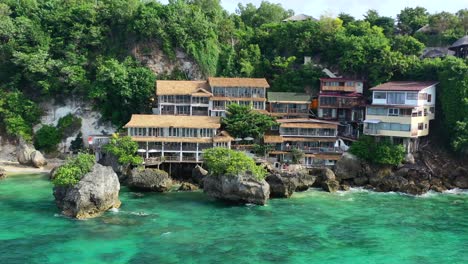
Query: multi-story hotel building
{"points": [[288, 105], [209, 98], [341, 99], [316, 138], [176, 138], [401, 111]]}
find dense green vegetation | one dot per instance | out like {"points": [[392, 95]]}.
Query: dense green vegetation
{"points": [[242, 122], [57, 49], [381, 152], [124, 149], [48, 137], [221, 161], [73, 170]]}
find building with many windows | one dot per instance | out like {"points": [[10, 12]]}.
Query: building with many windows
{"points": [[401, 111], [288, 105], [317, 139], [209, 98], [176, 138], [242, 91], [341, 100]]}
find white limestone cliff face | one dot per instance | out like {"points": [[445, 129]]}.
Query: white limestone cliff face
{"points": [[91, 123], [151, 55]]}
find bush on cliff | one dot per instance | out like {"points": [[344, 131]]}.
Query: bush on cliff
{"points": [[226, 161], [124, 149], [382, 152], [47, 138], [71, 172]]}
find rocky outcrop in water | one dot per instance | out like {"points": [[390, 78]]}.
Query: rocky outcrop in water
{"points": [[417, 176], [187, 187], [95, 193], [326, 179], [123, 171], [2, 173], [237, 188], [284, 183], [149, 180], [198, 174], [348, 167]]}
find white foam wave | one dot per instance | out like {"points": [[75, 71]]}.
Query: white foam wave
{"points": [[456, 191], [166, 233], [139, 213], [114, 210]]}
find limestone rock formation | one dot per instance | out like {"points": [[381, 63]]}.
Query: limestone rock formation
{"points": [[149, 180], [409, 159], [198, 173], [95, 193], [187, 187], [281, 186], [460, 178], [38, 159], [237, 188], [326, 179], [23, 152], [348, 167]]}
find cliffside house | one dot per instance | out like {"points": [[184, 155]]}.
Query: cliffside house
{"points": [[341, 99], [460, 47], [288, 105], [401, 111], [316, 138], [176, 138], [209, 98]]}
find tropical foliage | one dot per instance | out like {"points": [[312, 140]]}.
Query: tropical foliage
{"points": [[124, 149], [381, 152], [52, 49], [47, 138], [242, 122], [220, 161], [73, 170]]}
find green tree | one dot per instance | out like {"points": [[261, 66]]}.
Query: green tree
{"points": [[266, 13], [221, 161], [77, 144], [124, 149], [407, 45], [346, 18], [68, 125], [47, 138], [73, 170], [124, 84], [297, 155], [411, 19], [241, 122], [381, 152]]}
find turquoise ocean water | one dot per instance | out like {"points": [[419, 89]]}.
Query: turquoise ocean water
{"points": [[311, 227]]}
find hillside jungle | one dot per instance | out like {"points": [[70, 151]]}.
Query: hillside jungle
{"points": [[53, 49]]}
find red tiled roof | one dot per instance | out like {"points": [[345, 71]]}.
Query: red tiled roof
{"points": [[403, 86]]}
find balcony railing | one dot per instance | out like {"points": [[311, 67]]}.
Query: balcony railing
{"points": [[314, 149], [340, 103], [290, 111]]}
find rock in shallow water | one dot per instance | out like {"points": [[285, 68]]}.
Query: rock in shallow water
{"points": [[237, 188], [95, 193], [187, 187], [149, 180]]}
